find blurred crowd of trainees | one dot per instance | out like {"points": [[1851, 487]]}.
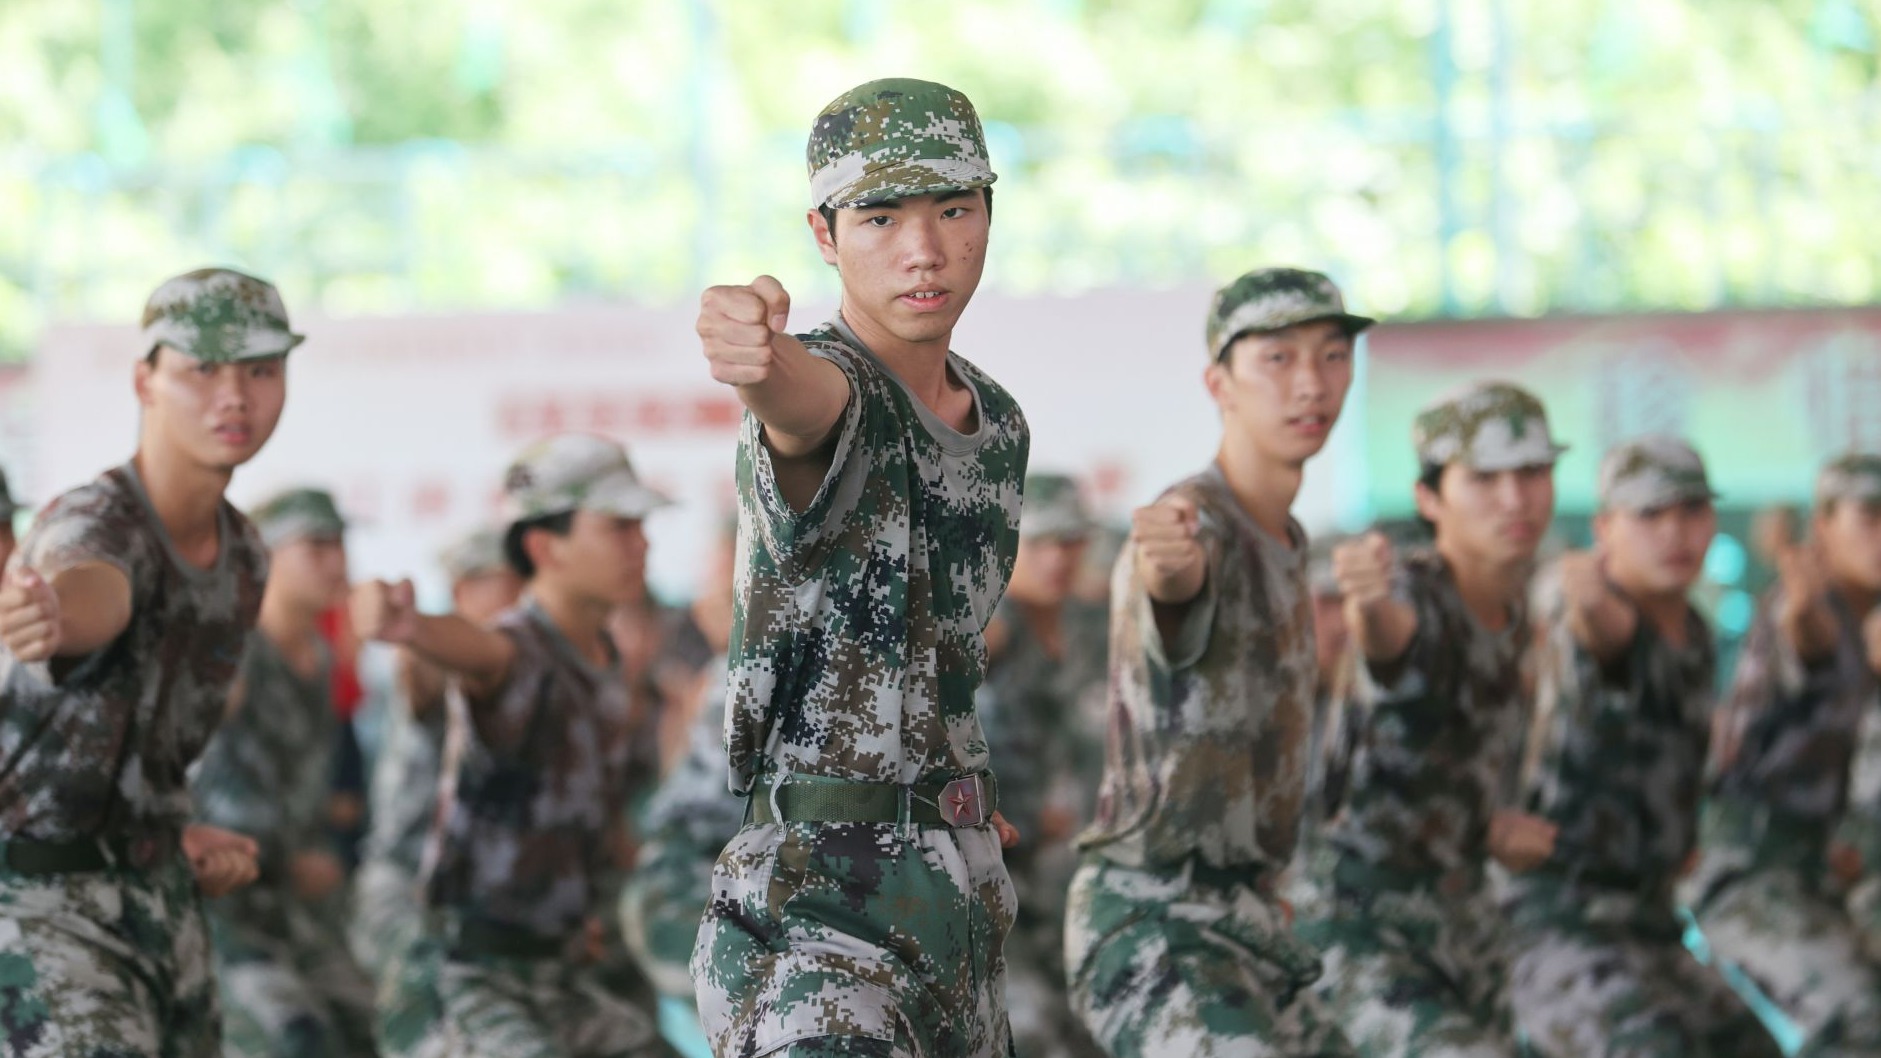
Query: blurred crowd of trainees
{"points": [[934, 764]]}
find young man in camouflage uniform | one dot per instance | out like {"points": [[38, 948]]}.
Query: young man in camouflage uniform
{"points": [[1617, 761], [9, 508], [1777, 834], [531, 840], [862, 909], [1045, 656], [289, 985], [1415, 961], [122, 621], [1177, 939]]}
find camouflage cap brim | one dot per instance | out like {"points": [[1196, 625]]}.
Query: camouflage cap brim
{"points": [[1854, 478], [1056, 523], [1652, 473], [621, 494], [871, 184], [1352, 324], [231, 345], [278, 532]]}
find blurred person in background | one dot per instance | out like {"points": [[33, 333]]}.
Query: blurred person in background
{"points": [[10, 507], [531, 840], [1617, 762], [1416, 959], [1177, 939], [1782, 842], [123, 616], [1044, 654], [289, 985]]}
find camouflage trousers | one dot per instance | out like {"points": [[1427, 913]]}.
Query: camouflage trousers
{"points": [[1417, 972], [660, 909], [108, 963], [860, 938], [387, 914], [1599, 974], [1163, 964], [289, 985], [1039, 1003]]}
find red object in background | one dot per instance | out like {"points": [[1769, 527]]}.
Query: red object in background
{"points": [[347, 692]]}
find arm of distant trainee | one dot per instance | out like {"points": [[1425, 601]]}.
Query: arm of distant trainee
{"points": [[478, 657]]}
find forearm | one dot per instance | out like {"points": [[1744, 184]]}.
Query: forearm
{"points": [[477, 655], [1179, 588], [1603, 627], [799, 404], [94, 607], [1383, 631]]}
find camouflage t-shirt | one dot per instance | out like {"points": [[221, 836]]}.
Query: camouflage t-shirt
{"points": [[267, 772], [535, 781], [103, 744], [1437, 749], [857, 644], [1208, 737], [1619, 753], [405, 783], [1030, 705]]}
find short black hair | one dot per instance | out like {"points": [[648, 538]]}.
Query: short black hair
{"points": [[829, 213], [1430, 475], [517, 555]]}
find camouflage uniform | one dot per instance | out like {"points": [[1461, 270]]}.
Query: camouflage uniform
{"points": [[855, 655], [1415, 951], [1761, 893], [1619, 758], [112, 956], [1176, 939], [526, 851], [1029, 706]]}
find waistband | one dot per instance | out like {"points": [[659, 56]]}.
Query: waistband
{"points": [[29, 856], [968, 801]]}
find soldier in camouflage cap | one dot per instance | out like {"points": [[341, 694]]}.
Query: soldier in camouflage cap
{"points": [[1616, 760], [892, 139], [1784, 835], [519, 884], [218, 316], [9, 508], [1273, 299]]}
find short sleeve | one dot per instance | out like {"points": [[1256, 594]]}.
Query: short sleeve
{"points": [[80, 529], [796, 540]]}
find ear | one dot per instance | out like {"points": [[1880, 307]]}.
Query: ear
{"points": [[541, 545], [1429, 504], [1215, 379], [1601, 526], [825, 238], [140, 380]]}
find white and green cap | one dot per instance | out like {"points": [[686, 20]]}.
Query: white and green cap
{"points": [[473, 554], [1652, 473], [576, 472], [298, 514], [218, 316], [1053, 507], [1487, 426], [1852, 476]]}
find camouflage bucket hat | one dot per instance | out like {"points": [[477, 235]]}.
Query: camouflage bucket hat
{"points": [[219, 316], [892, 139], [9, 503], [298, 514], [475, 553], [1487, 426], [1853, 476], [1651, 473], [1053, 507], [576, 472], [1268, 299]]}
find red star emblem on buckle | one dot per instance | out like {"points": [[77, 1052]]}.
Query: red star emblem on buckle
{"points": [[961, 800]]}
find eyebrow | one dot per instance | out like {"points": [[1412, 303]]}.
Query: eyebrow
{"points": [[895, 203]]}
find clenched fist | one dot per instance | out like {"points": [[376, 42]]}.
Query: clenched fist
{"points": [[742, 328], [29, 616], [222, 860], [1169, 555], [1365, 569], [386, 613]]}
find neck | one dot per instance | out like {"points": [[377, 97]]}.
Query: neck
{"points": [[1043, 616], [1488, 589], [579, 617], [186, 496], [1665, 611], [1263, 488], [286, 624], [1860, 600], [921, 366]]}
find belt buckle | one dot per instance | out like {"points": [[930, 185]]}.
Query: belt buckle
{"points": [[963, 802]]}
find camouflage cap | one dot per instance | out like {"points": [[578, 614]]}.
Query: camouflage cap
{"points": [[473, 554], [9, 503], [576, 472], [1853, 476], [892, 139], [1053, 507], [298, 514], [1652, 472], [1486, 426], [220, 316], [1268, 299]]}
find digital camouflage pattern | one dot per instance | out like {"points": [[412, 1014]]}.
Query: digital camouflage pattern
{"points": [[106, 963], [855, 655], [575, 471], [298, 514], [1415, 954], [218, 316], [1268, 299], [105, 750], [1652, 473], [1762, 892], [895, 138], [289, 985], [1487, 426], [1618, 756], [1855, 477], [387, 905], [1054, 507], [1206, 766]]}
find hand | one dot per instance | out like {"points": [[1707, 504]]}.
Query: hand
{"points": [[1056, 824], [1008, 834], [1519, 841], [1803, 615], [222, 860], [1583, 580], [29, 616], [385, 612], [593, 940], [1169, 552], [1845, 864], [742, 328], [316, 875], [1365, 569]]}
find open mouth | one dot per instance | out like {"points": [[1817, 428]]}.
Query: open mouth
{"points": [[925, 299]]}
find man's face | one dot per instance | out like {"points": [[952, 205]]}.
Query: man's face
{"points": [[1496, 517], [309, 573], [604, 557], [909, 267], [217, 415], [1660, 551], [1281, 391], [480, 597], [1850, 532], [1046, 569]]}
